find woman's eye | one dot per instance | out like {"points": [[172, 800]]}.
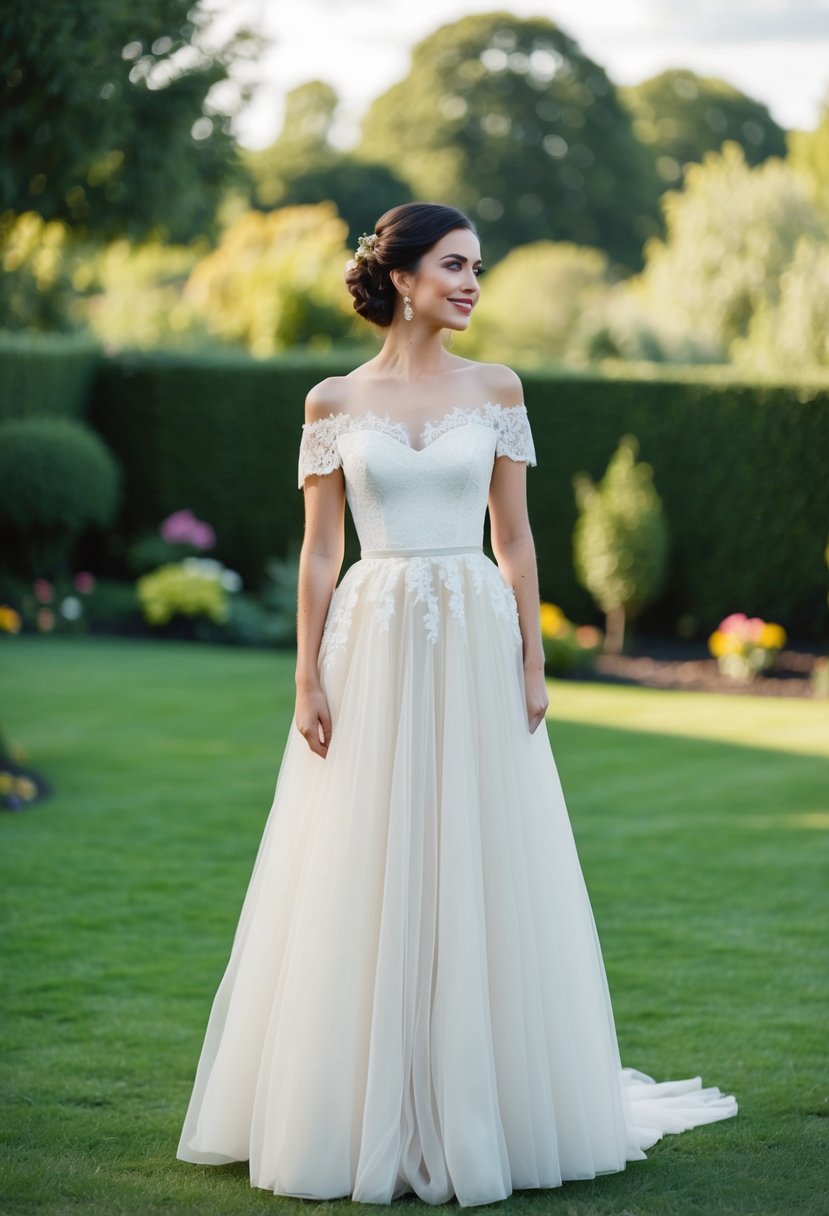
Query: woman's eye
{"points": [[479, 270]]}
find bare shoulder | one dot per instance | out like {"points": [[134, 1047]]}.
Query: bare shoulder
{"points": [[501, 384], [326, 397]]}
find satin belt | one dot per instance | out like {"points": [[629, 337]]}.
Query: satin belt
{"points": [[427, 552]]}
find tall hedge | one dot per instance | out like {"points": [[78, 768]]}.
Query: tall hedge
{"points": [[46, 374], [741, 470]]}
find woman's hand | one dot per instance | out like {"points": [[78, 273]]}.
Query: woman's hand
{"points": [[535, 692], [313, 719]]}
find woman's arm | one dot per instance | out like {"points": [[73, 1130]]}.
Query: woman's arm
{"points": [[320, 561], [512, 544]]}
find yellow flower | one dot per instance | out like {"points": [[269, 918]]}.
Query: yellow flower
{"points": [[6, 783], [772, 636], [721, 644], [9, 619], [552, 620], [25, 788]]}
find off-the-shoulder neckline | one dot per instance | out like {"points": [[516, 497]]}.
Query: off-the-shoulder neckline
{"points": [[428, 429]]}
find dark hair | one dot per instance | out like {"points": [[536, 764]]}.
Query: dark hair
{"points": [[404, 234]]}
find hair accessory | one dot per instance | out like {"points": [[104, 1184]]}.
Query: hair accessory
{"points": [[408, 311], [365, 246]]}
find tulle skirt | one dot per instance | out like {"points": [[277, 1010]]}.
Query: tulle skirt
{"points": [[415, 998]]}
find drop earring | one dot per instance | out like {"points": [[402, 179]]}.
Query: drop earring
{"points": [[408, 311]]}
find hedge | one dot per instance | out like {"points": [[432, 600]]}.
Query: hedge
{"points": [[46, 374], [741, 468]]}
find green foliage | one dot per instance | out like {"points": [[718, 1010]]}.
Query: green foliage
{"points": [[793, 329], [131, 294], [303, 167], [508, 119], [536, 304], [46, 374], [107, 123], [620, 542], [188, 588], [35, 286], [58, 479], [731, 234], [740, 467], [809, 154], [680, 116], [275, 281]]}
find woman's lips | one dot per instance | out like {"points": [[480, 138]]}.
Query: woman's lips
{"points": [[464, 305]]}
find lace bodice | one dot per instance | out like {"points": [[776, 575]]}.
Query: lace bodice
{"points": [[432, 495]]}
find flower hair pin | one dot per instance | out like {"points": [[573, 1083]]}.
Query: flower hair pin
{"points": [[365, 246]]}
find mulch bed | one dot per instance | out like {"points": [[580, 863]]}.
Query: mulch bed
{"points": [[666, 663]]}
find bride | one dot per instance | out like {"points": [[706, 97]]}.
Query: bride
{"points": [[415, 999]]}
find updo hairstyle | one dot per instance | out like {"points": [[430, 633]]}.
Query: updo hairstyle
{"points": [[403, 235]]}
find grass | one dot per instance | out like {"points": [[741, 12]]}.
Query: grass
{"points": [[702, 823]]}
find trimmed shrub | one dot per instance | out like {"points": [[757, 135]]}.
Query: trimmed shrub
{"points": [[46, 374], [58, 479]]}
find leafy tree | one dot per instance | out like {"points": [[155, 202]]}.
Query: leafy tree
{"points": [[35, 283], [681, 116], [275, 281], [809, 154], [792, 331], [302, 166], [302, 144], [535, 302], [731, 232], [620, 540], [511, 121], [109, 121]]}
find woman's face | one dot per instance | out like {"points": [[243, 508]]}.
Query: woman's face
{"points": [[444, 289]]}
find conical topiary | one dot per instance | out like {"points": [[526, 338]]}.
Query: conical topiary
{"points": [[620, 541]]}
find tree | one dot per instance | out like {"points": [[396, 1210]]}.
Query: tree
{"points": [[620, 541], [792, 331], [509, 120], [110, 121], [680, 116], [275, 281], [731, 232], [303, 167], [809, 154]]}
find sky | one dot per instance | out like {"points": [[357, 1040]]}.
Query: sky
{"points": [[777, 51]]}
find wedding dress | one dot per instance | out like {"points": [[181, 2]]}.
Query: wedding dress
{"points": [[415, 998]]}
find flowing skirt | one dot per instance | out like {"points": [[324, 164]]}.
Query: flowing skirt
{"points": [[415, 998]]}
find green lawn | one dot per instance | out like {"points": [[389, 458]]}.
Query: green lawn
{"points": [[702, 823]]}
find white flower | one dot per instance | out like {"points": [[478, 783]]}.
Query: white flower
{"points": [[71, 608], [230, 580]]}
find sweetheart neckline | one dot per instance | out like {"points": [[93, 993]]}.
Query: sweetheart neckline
{"points": [[425, 436]]}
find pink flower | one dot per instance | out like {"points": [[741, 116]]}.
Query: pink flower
{"points": [[182, 527], [733, 623], [202, 535], [84, 582], [753, 628], [43, 590]]}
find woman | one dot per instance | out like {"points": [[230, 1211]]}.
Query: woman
{"points": [[415, 999]]}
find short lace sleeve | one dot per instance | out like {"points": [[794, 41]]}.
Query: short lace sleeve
{"points": [[514, 435], [318, 451]]}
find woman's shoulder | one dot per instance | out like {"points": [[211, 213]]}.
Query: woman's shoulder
{"points": [[325, 398], [497, 383]]}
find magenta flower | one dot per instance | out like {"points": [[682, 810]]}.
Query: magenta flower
{"points": [[84, 582], [43, 591], [182, 527]]}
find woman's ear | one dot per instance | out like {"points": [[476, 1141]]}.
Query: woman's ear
{"points": [[401, 281]]}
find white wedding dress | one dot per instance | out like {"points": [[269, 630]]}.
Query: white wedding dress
{"points": [[415, 999]]}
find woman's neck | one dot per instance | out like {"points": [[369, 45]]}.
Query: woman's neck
{"points": [[412, 352]]}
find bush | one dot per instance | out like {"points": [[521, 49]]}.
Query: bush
{"points": [[46, 374], [58, 479]]}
